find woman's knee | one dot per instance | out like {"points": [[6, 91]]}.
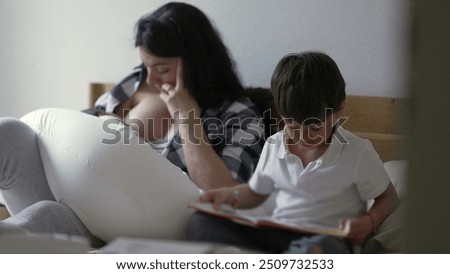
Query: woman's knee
{"points": [[18, 143], [49, 216], [53, 208], [13, 131], [52, 217], [45, 210]]}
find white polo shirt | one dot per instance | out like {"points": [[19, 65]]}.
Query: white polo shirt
{"points": [[335, 186]]}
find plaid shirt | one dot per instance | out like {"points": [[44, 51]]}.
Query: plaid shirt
{"points": [[235, 130]]}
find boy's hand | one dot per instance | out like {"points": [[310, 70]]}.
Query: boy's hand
{"points": [[358, 228], [220, 196]]}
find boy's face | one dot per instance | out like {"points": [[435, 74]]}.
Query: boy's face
{"points": [[314, 132], [308, 136]]}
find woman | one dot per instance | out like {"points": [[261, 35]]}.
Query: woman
{"points": [[185, 100]]}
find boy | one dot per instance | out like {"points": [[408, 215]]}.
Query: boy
{"points": [[323, 173]]}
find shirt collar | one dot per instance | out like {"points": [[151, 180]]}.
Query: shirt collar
{"points": [[282, 150], [331, 154], [334, 148]]}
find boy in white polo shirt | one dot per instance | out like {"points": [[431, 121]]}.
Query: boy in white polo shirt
{"points": [[323, 173]]}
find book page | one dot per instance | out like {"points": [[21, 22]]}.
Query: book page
{"points": [[305, 228], [229, 212]]}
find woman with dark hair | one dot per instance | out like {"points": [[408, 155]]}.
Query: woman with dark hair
{"points": [[184, 104], [187, 68]]}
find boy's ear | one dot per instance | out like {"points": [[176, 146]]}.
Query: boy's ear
{"points": [[341, 108]]}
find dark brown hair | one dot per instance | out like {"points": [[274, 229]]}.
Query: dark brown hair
{"points": [[182, 30], [304, 85]]}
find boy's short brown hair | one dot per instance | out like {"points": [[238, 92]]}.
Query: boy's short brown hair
{"points": [[304, 85]]}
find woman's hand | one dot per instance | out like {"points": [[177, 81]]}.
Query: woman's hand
{"points": [[179, 101]]}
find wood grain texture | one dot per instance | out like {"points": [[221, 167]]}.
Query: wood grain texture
{"points": [[97, 89], [382, 120], [375, 114]]}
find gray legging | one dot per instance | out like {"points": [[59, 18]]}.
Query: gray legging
{"points": [[24, 185]]}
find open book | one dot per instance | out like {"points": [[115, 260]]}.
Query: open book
{"points": [[238, 216]]}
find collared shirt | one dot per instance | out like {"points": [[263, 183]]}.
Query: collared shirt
{"points": [[334, 186], [235, 129]]}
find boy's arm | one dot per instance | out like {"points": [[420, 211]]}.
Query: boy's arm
{"points": [[238, 196], [382, 207]]}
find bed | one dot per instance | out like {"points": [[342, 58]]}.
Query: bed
{"points": [[378, 119]]}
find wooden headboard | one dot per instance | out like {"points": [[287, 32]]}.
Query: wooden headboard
{"points": [[382, 120], [379, 119], [97, 89]]}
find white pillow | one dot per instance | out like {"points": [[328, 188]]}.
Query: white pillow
{"points": [[397, 171], [390, 234], [119, 189]]}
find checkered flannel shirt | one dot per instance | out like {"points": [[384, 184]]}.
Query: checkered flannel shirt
{"points": [[235, 130]]}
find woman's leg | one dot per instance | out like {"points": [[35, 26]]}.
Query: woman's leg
{"points": [[25, 188], [22, 176], [51, 217]]}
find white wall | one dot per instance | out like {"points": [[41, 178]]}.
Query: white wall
{"points": [[51, 49]]}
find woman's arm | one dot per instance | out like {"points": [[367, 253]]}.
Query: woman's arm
{"points": [[205, 167]]}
